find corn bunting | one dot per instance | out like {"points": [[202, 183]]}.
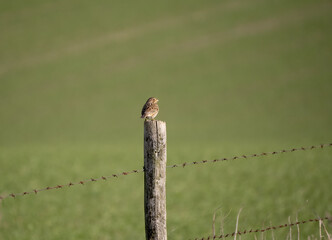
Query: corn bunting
{"points": [[150, 108]]}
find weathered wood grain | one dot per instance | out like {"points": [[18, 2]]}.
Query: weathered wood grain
{"points": [[155, 180]]}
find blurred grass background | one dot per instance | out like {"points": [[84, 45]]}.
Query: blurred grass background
{"points": [[233, 77]]}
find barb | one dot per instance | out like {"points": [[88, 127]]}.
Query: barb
{"points": [[35, 191], [262, 230]]}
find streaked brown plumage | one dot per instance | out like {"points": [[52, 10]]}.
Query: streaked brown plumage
{"points": [[150, 108]]}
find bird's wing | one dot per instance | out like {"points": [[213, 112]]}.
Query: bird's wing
{"points": [[149, 110]]}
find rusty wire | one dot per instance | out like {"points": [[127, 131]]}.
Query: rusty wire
{"points": [[239, 233], [82, 182], [35, 191], [250, 155]]}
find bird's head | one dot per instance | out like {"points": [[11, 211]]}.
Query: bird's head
{"points": [[152, 100]]}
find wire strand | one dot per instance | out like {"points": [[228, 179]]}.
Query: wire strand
{"points": [[262, 230], [82, 182]]}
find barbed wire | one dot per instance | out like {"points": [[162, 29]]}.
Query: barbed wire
{"points": [[82, 182], [263, 229], [251, 155]]}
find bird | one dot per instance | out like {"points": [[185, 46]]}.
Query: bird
{"points": [[150, 109]]}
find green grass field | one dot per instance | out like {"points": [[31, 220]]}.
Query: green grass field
{"points": [[233, 77]]}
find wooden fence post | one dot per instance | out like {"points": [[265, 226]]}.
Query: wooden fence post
{"points": [[155, 180]]}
